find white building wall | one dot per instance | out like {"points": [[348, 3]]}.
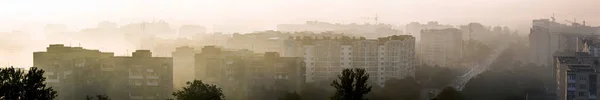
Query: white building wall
{"points": [[326, 59]]}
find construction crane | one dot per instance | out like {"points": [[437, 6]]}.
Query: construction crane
{"points": [[574, 22]]}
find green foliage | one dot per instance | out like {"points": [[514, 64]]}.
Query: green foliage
{"points": [[434, 76], [15, 84], [513, 83], [291, 96], [196, 90], [399, 89], [313, 92], [351, 85], [98, 97], [510, 79], [449, 93]]}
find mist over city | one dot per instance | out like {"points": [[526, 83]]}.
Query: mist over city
{"points": [[299, 50]]}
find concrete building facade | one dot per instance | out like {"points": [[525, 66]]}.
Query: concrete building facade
{"points": [[244, 74], [325, 57], [576, 76], [76, 73], [547, 37], [442, 47]]}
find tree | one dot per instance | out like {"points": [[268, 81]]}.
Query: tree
{"points": [[196, 90], [351, 85], [399, 89], [290, 96], [98, 97], [15, 84], [449, 93], [314, 92]]}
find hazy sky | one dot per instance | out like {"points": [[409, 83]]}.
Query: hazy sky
{"points": [[253, 15], [265, 14]]}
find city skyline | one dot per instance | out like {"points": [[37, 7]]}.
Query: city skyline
{"points": [[265, 14]]}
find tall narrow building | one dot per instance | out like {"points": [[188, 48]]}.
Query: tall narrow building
{"points": [[183, 66]]}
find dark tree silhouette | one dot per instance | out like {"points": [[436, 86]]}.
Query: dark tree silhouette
{"points": [[399, 89], [196, 90], [449, 93], [351, 85], [98, 97], [290, 96], [314, 92], [15, 84]]}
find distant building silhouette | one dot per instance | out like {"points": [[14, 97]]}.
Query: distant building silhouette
{"points": [[441, 47]]}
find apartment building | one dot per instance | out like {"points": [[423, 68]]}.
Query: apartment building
{"points": [[246, 74], [576, 76], [183, 65], [76, 72], [442, 47], [325, 57], [548, 36]]}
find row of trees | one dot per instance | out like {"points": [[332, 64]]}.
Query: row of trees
{"points": [[352, 84]]}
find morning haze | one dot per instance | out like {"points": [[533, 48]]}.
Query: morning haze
{"points": [[299, 49]]}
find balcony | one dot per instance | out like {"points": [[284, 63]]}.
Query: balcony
{"points": [[136, 77], [571, 81], [571, 89], [152, 77], [152, 83]]}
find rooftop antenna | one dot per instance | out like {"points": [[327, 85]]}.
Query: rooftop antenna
{"points": [[376, 19], [553, 19]]}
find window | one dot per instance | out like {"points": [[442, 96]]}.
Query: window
{"points": [[582, 86], [582, 78], [571, 85], [349, 53], [571, 77], [581, 93]]}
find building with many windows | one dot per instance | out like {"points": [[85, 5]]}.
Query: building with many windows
{"points": [[244, 74], [325, 57], [76, 73], [442, 47], [576, 76]]}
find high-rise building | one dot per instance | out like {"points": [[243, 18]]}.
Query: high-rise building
{"points": [[576, 76], [366, 30], [441, 47], [244, 73], [414, 28], [183, 65], [548, 37], [325, 57], [76, 73]]}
